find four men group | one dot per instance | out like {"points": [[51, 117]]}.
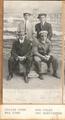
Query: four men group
{"points": [[31, 48]]}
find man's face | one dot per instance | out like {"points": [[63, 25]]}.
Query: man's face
{"points": [[42, 19], [43, 37], [26, 16], [21, 37]]}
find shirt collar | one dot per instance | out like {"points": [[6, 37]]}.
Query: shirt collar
{"points": [[21, 41]]}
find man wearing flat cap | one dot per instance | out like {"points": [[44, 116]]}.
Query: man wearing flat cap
{"points": [[42, 53], [43, 25], [21, 54], [26, 25]]}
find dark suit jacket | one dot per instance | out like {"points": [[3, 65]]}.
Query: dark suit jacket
{"points": [[21, 49], [46, 26]]}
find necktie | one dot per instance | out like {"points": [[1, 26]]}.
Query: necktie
{"points": [[25, 26]]}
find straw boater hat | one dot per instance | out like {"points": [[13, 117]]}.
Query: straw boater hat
{"points": [[29, 13], [42, 14], [20, 33], [43, 32]]}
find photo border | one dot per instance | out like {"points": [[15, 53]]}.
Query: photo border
{"points": [[1, 52]]}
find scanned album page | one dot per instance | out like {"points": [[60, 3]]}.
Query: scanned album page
{"points": [[32, 60]]}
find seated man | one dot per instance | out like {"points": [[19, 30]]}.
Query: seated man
{"points": [[42, 53], [21, 54]]}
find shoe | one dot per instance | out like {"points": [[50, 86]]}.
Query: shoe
{"points": [[55, 75], [26, 79], [9, 77], [41, 77]]}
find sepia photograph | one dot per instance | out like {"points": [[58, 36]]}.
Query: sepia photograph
{"points": [[32, 52]]}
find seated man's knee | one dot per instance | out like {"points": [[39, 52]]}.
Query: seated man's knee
{"points": [[37, 59]]}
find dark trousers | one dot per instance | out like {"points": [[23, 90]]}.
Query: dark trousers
{"points": [[14, 65], [52, 60]]}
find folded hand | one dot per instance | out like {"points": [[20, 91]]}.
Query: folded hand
{"points": [[47, 57], [21, 58]]}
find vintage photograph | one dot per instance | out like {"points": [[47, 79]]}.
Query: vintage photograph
{"points": [[32, 52]]}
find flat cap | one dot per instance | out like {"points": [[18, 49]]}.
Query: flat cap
{"points": [[42, 14], [20, 33], [43, 32]]}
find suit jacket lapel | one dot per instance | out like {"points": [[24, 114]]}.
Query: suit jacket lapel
{"points": [[43, 26], [40, 26]]}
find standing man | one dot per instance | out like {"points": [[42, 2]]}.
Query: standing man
{"points": [[26, 25], [43, 25]]}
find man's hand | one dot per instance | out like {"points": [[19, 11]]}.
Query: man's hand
{"points": [[47, 57], [44, 57], [21, 58]]}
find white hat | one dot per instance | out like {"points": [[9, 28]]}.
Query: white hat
{"points": [[27, 12], [43, 32]]}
